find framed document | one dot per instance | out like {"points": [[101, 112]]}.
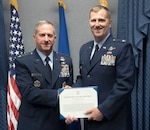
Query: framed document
{"points": [[75, 101]]}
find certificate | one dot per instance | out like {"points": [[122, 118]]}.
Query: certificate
{"points": [[75, 101]]}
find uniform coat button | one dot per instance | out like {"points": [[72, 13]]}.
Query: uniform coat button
{"points": [[88, 76]]}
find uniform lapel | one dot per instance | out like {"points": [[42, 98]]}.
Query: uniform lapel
{"points": [[56, 68], [87, 56], [102, 51], [41, 67], [97, 57]]}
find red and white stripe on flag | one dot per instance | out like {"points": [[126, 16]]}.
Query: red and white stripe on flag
{"points": [[13, 103]]}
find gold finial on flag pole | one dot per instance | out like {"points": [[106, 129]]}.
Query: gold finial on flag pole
{"points": [[104, 3], [60, 2], [14, 3]]}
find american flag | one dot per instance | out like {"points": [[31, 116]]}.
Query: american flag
{"points": [[16, 48]]}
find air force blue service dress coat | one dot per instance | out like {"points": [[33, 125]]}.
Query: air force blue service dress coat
{"points": [[39, 105], [112, 70]]}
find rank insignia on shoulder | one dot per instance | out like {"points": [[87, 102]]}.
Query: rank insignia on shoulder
{"points": [[123, 40]]}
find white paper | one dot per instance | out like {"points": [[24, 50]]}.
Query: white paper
{"points": [[75, 101]]}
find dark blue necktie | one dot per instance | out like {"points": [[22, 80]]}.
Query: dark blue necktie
{"points": [[96, 49], [47, 59]]}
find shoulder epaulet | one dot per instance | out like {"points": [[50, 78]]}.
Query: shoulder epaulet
{"points": [[26, 54], [118, 40], [123, 40], [62, 54]]}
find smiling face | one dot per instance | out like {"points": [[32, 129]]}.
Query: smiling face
{"points": [[100, 23], [44, 37]]}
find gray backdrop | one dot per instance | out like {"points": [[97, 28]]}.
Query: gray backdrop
{"points": [[77, 14]]}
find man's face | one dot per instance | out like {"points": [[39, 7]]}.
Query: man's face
{"points": [[45, 38], [100, 24]]}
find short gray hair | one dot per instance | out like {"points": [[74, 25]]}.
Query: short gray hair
{"points": [[41, 22]]}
